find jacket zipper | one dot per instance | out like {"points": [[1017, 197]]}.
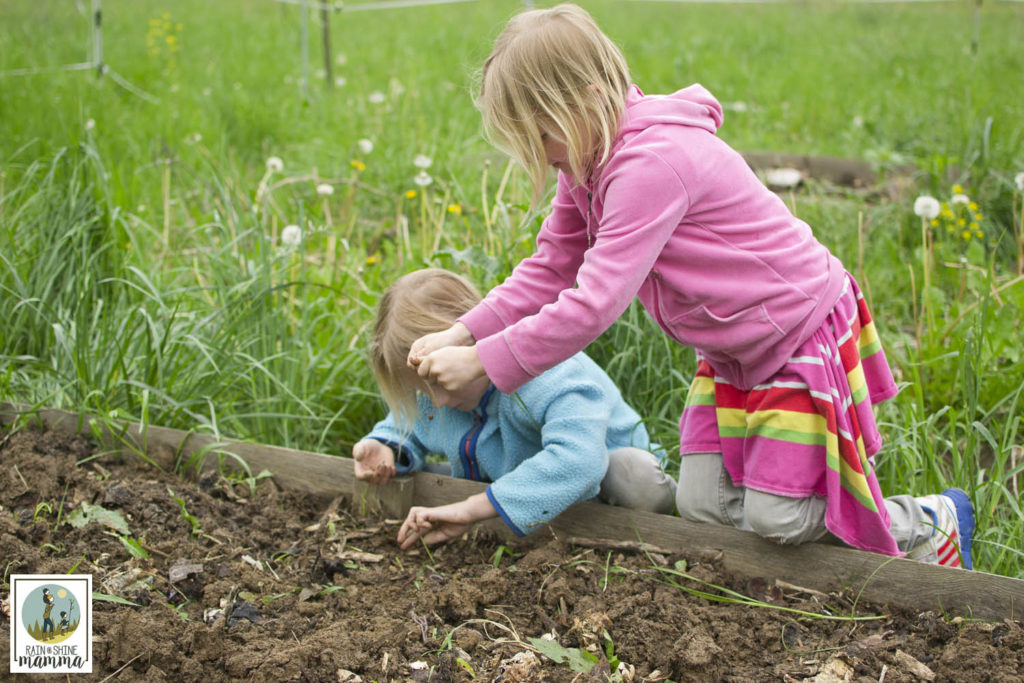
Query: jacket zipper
{"points": [[467, 449]]}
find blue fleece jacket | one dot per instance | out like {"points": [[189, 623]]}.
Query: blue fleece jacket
{"points": [[543, 448]]}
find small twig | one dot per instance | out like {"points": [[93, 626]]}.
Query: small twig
{"points": [[16, 471], [602, 544], [122, 668]]}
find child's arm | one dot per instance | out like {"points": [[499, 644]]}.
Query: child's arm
{"points": [[374, 462], [445, 522]]}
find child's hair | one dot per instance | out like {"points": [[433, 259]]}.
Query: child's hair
{"points": [[553, 71], [419, 303]]}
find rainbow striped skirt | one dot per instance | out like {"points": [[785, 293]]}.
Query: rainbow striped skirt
{"points": [[810, 430]]}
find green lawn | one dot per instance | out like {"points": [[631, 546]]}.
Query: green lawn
{"points": [[143, 273]]}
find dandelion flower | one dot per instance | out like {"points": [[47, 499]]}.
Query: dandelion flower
{"points": [[410, 194], [958, 189], [960, 199], [926, 207], [973, 206], [274, 165], [455, 209], [358, 165], [372, 259], [422, 161], [1018, 180], [325, 189], [291, 235], [423, 179], [966, 234], [365, 145], [376, 97]]}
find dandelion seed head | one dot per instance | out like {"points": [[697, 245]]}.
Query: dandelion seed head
{"points": [[365, 145], [325, 189], [377, 97], [926, 207], [341, 81], [960, 199], [291, 235], [90, 124], [423, 179], [274, 164], [1018, 180], [422, 161]]}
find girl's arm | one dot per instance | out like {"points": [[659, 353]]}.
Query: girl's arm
{"points": [[644, 202], [539, 279], [445, 522], [572, 406]]}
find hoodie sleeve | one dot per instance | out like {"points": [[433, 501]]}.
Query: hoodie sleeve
{"points": [[539, 279], [573, 411], [410, 453], [643, 202]]}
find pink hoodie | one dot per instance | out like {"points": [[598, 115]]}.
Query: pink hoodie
{"points": [[676, 217]]}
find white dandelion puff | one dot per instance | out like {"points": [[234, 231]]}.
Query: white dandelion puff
{"points": [[340, 81], [926, 207], [960, 199], [422, 161], [422, 179], [377, 97], [1019, 181], [291, 235], [325, 189], [90, 124], [365, 145], [274, 165]]}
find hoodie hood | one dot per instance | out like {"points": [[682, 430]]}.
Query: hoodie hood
{"points": [[692, 106]]}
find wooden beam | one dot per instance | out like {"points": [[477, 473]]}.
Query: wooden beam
{"points": [[887, 581]]}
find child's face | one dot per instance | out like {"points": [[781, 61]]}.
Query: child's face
{"points": [[465, 399], [556, 153]]}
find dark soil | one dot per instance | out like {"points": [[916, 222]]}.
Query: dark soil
{"points": [[268, 585]]}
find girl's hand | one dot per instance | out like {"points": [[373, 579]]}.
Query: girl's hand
{"points": [[456, 335], [451, 367], [434, 525], [374, 462]]}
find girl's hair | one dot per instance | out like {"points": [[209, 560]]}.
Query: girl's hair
{"points": [[419, 303], [553, 71]]}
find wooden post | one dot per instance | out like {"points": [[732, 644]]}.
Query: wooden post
{"points": [[325, 26], [97, 37], [391, 500]]}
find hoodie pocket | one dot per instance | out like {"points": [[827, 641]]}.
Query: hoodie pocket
{"points": [[741, 337]]}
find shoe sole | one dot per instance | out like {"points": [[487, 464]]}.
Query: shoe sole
{"points": [[965, 520]]}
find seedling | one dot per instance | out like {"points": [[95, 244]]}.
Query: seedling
{"points": [[191, 519]]}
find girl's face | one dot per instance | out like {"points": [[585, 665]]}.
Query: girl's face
{"points": [[465, 399], [556, 153]]}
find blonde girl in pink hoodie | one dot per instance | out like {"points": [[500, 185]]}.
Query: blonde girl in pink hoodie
{"points": [[778, 432]]}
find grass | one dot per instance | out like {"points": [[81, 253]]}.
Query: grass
{"points": [[143, 275]]}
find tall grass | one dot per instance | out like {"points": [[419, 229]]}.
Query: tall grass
{"points": [[143, 272]]}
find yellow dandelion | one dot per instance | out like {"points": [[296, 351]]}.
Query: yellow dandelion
{"points": [[358, 165], [935, 222], [973, 206], [410, 194], [958, 189], [372, 259], [947, 212], [962, 222], [455, 208], [966, 234], [979, 234], [977, 216], [171, 40], [178, 27], [973, 226], [950, 227]]}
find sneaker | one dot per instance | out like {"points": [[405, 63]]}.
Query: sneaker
{"points": [[953, 518]]}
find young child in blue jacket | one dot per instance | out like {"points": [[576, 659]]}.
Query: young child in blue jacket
{"points": [[564, 437]]}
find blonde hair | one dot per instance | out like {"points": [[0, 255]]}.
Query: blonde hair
{"points": [[553, 71], [419, 303]]}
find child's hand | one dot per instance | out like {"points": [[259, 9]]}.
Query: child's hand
{"points": [[456, 335], [452, 367], [374, 462], [444, 523]]}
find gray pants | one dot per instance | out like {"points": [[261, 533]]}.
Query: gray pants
{"points": [[706, 494], [635, 480]]}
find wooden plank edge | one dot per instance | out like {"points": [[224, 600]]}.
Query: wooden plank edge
{"points": [[875, 578]]}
